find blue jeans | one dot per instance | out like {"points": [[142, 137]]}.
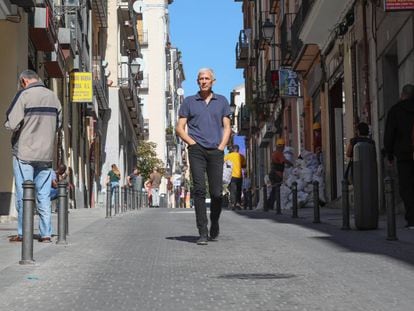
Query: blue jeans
{"points": [[114, 184], [42, 177], [208, 161], [155, 196]]}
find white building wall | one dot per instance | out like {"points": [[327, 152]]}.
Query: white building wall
{"points": [[155, 62]]}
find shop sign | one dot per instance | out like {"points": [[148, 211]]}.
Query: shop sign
{"points": [[398, 5], [289, 85], [81, 90]]}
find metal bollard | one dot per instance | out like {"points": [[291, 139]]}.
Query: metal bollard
{"points": [[265, 207], [133, 198], [316, 211], [294, 199], [278, 200], [345, 205], [128, 198], [390, 206], [62, 212], [116, 193], [122, 198], [28, 207], [108, 200]]}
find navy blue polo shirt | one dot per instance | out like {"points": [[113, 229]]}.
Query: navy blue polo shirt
{"points": [[205, 122]]}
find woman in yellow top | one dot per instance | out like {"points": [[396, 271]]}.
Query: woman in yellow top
{"points": [[239, 162]]}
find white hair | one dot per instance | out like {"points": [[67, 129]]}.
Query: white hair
{"points": [[207, 70]]}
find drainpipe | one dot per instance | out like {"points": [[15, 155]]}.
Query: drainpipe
{"points": [[367, 106]]}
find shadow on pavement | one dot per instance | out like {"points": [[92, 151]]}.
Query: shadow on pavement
{"points": [[361, 241], [184, 238]]}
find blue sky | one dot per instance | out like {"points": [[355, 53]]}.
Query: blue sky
{"points": [[206, 32]]}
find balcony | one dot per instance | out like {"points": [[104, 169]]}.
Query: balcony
{"points": [[331, 11], [272, 81], [67, 42], [55, 63], [143, 38], [42, 31], [286, 39], [143, 84], [100, 86], [242, 50], [99, 8], [244, 121], [128, 29]]}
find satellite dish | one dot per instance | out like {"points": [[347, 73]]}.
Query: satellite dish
{"points": [[138, 6], [180, 91]]}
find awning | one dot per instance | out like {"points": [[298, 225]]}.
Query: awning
{"points": [[331, 12]]}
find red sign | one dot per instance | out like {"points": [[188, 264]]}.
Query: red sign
{"points": [[398, 5]]}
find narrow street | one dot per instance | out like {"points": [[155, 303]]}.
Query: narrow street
{"points": [[148, 260]]}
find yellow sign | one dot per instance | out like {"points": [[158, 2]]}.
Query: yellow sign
{"points": [[81, 90]]}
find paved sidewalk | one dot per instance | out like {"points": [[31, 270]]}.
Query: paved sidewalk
{"points": [[148, 260]]}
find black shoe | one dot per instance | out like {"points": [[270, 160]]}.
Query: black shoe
{"points": [[202, 240], [214, 231]]}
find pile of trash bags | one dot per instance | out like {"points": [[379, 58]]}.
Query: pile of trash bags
{"points": [[306, 169]]}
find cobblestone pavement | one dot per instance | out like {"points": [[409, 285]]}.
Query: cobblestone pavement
{"points": [[148, 260]]}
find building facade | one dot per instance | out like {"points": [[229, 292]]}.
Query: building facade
{"points": [[351, 59]]}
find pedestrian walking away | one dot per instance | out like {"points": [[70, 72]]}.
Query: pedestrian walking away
{"points": [[399, 143], [207, 118], [239, 162], [135, 180], [113, 177], [34, 117], [155, 178]]}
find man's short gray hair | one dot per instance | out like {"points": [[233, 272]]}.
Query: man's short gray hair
{"points": [[213, 77], [407, 91], [29, 74]]}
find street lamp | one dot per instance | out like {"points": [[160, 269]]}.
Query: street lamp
{"points": [[268, 30], [135, 65]]}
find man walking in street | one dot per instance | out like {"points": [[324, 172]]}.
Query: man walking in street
{"points": [[207, 117], [155, 178], [399, 142], [34, 117], [135, 182], [239, 162]]}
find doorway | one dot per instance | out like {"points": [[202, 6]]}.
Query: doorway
{"points": [[336, 130]]}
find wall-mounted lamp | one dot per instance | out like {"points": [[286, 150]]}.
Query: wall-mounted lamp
{"points": [[134, 66], [268, 30]]}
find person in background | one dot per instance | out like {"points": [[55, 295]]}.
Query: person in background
{"points": [[276, 172], [57, 176], [135, 181], [148, 189], [239, 162], [34, 117], [362, 135], [247, 191], [113, 177], [399, 143], [155, 178], [206, 115]]}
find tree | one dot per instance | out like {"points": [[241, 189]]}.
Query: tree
{"points": [[147, 159]]}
